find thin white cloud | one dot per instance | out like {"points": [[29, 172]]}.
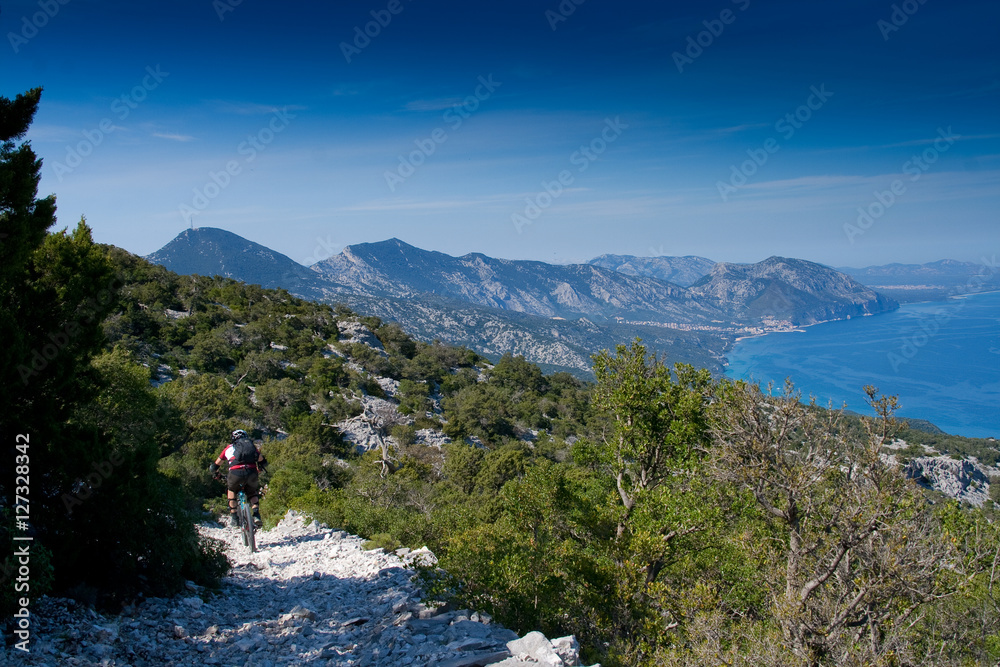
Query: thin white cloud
{"points": [[65, 134], [414, 205], [445, 204], [433, 105], [924, 142], [57, 133], [173, 137], [807, 182], [903, 144], [252, 108], [830, 181], [832, 192], [740, 128], [614, 208]]}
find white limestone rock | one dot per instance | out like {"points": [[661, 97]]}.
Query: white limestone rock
{"points": [[965, 480], [536, 647]]}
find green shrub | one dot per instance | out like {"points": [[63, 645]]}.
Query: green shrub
{"points": [[383, 541]]}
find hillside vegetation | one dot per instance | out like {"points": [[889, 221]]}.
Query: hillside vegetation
{"points": [[662, 516]]}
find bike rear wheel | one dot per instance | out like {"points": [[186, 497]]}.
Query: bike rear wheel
{"points": [[246, 523]]}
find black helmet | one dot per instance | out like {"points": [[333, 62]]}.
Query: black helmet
{"points": [[239, 433]]}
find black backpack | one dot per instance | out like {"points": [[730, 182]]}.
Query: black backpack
{"points": [[244, 452]]}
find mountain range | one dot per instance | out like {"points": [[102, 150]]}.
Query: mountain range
{"points": [[555, 315], [395, 269]]}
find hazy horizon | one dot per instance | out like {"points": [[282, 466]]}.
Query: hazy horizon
{"points": [[856, 136]]}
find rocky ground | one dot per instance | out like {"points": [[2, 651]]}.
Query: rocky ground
{"points": [[310, 595], [964, 480]]}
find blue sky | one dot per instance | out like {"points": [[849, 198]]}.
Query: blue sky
{"points": [[529, 130]]}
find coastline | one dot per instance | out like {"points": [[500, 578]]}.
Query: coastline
{"points": [[909, 354], [967, 295], [800, 328], [944, 297]]}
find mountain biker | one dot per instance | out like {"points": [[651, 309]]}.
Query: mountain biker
{"points": [[245, 459]]}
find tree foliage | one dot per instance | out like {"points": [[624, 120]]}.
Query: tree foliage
{"points": [[858, 556], [94, 426], [657, 424]]}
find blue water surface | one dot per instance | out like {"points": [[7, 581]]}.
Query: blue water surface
{"points": [[941, 358]]}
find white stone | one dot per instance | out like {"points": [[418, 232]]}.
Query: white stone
{"points": [[536, 647], [567, 648]]}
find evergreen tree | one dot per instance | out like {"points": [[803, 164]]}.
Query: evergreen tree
{"points": [[24, 222], [91, 436]]}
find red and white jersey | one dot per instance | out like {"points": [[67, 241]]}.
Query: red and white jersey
{"points": [[229, 453]]}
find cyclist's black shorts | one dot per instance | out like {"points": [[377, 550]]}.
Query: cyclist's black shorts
{"points": [[244, 479]]}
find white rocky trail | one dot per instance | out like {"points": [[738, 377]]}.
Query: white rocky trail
{"points": [[310, 595]]}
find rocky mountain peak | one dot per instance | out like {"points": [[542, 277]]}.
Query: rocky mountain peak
{"points": [[792, 290], [208, 251]]}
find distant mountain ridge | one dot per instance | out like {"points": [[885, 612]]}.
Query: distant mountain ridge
{"points": [[945, 271], [555, 315], [779, 289], [396, 269], [208, 251], [684, 271], [901, 282], [931, 281], [794, 290]]}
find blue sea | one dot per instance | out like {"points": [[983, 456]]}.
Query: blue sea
{"points": [[942, 359]]}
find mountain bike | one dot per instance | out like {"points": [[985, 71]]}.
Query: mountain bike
{"points": [[244, 515]]}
